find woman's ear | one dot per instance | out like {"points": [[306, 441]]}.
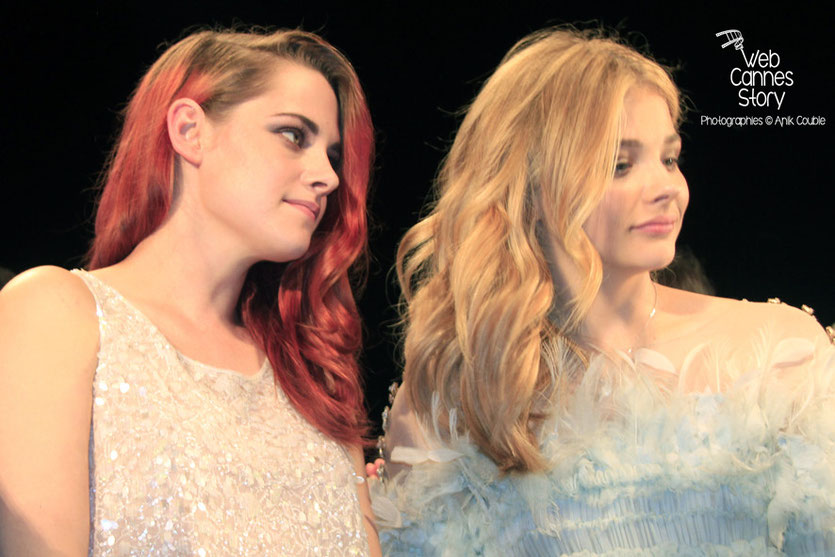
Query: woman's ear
{"points": [[186, 120]]}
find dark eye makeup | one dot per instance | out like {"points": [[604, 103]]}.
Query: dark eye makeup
{"points": [[294, 135], [299, 136]]}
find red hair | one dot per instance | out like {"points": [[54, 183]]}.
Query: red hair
{"points": [[302, 313]]}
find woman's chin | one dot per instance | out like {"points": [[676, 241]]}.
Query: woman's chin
{"points": [[289, 253], [662, 263]]}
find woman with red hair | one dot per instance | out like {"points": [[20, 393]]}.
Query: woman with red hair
{"points": [[197, 391]]}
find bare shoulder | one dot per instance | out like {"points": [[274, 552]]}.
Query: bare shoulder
{"points": [[48, 356], [46, 285], [47, 306], [735, 317], [787, 320]]}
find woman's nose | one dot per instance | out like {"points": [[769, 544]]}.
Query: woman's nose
{"points": [[663, 185], [321, 174]]}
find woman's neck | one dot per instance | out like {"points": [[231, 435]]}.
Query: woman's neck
{"points": [[620, 318], [179, 267]]}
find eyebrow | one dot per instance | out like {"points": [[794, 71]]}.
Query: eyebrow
{"points": [[311, 125], [634, 143]]}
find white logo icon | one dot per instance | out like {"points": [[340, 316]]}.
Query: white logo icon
{"points": [[734, 37]]}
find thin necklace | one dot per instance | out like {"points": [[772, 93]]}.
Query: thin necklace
{"points": [[646, 323]]}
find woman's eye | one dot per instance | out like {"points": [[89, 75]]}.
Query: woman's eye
{"points": [[621, 168], [672, 162], [294, 135]]}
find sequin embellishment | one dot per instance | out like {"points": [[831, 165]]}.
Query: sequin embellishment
{"points": [[188, 459], [382, 473]]}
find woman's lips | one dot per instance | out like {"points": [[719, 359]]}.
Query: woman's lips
{"points": [[660, 226], [308, 207]]}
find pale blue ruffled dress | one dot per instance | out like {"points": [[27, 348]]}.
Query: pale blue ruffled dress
{"points": [[642, 466]]}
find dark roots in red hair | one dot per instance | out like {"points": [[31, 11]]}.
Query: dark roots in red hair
{"points": [[302, 313]]}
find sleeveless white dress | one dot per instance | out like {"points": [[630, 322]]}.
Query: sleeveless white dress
{"points": [[189, 459]]}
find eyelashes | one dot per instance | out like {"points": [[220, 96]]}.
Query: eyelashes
{"points": [[296, 136], [622, 167], [678, 160], [674, 162]]}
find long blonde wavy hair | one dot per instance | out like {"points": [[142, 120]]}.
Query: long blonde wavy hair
{"points": [[488, 323]]}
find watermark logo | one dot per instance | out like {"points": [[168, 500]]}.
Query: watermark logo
{"points": [[761, 82], [758, 79], [734, 37]]}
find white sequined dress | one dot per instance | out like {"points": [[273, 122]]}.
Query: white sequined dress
{"points": [[188, 459]]}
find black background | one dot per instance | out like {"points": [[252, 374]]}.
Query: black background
{"points": [[761, 208]]}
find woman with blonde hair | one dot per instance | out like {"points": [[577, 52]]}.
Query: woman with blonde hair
{"points": [[197, 391], [557, 401]]}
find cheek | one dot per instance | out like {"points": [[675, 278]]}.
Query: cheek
{"points": [[598, 229], [594, 227], [605, 219]]}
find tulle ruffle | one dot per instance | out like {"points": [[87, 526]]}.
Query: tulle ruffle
{"points": [[642, 465]]}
